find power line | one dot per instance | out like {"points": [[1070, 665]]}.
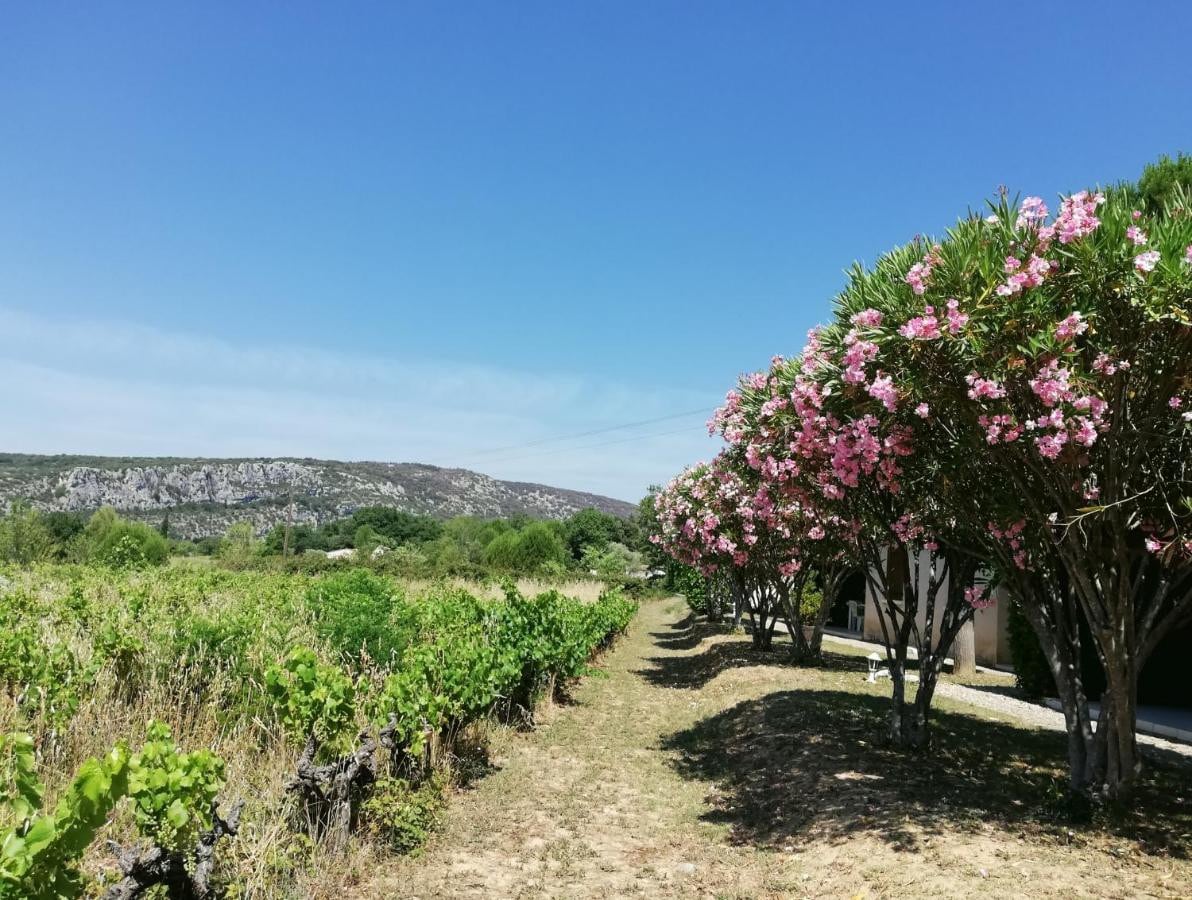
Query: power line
{"points": [[579, 434]]}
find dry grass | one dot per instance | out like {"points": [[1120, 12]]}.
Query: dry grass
{"points": [[700, 768], [267, 861]]}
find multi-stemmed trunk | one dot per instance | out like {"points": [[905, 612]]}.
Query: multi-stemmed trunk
{"points": [[805, 647], [1131, 601], [899, 595], [1046, 601], [763, 613]]}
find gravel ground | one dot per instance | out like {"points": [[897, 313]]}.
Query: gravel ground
{"points": [[1033, 714]]}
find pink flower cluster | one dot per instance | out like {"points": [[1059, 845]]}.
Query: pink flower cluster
{"points": [[1146, 262], [956, 319], [867, 318], [857, 353], [978, 597], [1052, 385], [1106, 365], [1136, 235], [1070, 327], [1032, 212], [882, 389], [1077, 217], [920, 273], [922, 328], [1011, 535], [813, 352], [906, 529], [983, 388], [1000, 429], [1022, 277]]}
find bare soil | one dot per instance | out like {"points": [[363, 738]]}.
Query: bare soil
{"points": [[693, 766]]}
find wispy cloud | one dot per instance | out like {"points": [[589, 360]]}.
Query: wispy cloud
{"points": [[125, 389]]}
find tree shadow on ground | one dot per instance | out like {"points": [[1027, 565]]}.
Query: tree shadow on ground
{"points": [[693, 671], [806, 765], [690, 637]]}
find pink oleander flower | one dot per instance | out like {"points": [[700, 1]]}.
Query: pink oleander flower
{"points": [[1153, 545], [1037, 268], [922, 328], [983, 388], [922, 411], [999, 428], [956, 319], [1136, 215], [1175, 402], [817, 533], [1146, 262], [917, 277], [978, 597], [1086, 432], [1051, 445], [867, 318], [1188, 255], [857, 354], [1104, 364], [882, 389], [1078, 216], [1032, 211], [920, 272], [1071, 327], [1136, 235], [1051, 384]]}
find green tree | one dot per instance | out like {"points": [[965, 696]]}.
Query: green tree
{"points": [[396, 526], [239, 542], [24, 538], [590, 528], [366, 540], [613, 562], [1165, 181], [536, 548], [65, 528], [110, 540]]}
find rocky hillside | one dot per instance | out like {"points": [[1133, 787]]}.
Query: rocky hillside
{"points": [[204, 496]]}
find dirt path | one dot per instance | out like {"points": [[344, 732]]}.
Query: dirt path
{"points": [[691, 769], [589, 804]]}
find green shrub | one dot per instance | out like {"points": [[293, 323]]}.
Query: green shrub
{"points": [[353, 612], [112, 541], [313, 699], [402, 815], [39, 857], [172, 792]]}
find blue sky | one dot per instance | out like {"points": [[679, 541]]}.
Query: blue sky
{"points": [[430, 231]]}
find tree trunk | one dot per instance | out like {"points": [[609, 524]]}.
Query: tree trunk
{"points": [[1116, 723], [964, 651]]}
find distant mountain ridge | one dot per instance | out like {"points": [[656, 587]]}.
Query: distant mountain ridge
{"points": [[205, 496]]}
